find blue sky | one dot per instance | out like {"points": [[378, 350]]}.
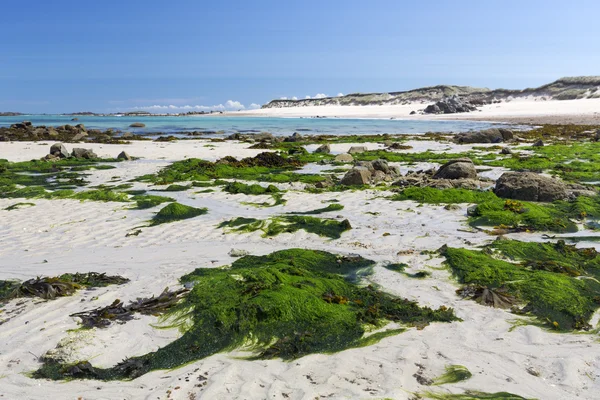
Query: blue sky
{"points": [[65, 56]]}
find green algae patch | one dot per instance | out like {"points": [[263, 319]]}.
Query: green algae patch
{"points": [[453, 374], [265, 167], [522, 216], [285, 305], [145, 201], [256, 190], [176, 212], [473, 395], [443, 196], [50, 288], [329, 208], [18, 206], [175, 188], [557, 283], [401, 267], [330, 228]]}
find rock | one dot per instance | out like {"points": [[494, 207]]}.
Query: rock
{"points": [[343, 158], [326, 183], [472, 211], [413, 112], [238, 253], [457, 169], [84, 153], [325, 149], [380, 176], [356, 176], [450, 105], [381, 165], [127, 135], [365, 164], [124, 156], [452, 207], [529, 186], [59, 150], [492, 135], [357, 149], [137, 125], [506, 150], [296, 137], [79, 137], [81, 127], [264, 137], [539, 143]]}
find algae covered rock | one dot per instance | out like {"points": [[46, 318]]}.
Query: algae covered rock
{"points": [[84, 153], [460, 168], [343, 158], [176, 212], [59, 150], [529, 186], [324, 149], [492, 135], [357, 149]]}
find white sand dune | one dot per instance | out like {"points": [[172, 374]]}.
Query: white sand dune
{"points": [[533, 110], [59, 236]]}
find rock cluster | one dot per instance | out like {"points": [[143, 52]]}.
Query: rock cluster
{"points": [[26, 131], [450, 105], [59, 151], [367, 172], [460, 168], [459, 173]]}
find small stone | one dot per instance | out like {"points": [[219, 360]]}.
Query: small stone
{"points": [[124, 156], [343, 158]]}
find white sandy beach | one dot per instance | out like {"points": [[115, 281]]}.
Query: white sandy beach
{"points": [[60, 236], [522, 110]]}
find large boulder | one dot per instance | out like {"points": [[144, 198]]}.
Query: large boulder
{"points": [[137, 125], [492, 135], [59, 150], [84, 153], [450, 105], [529, 186], [124, 156], [357, 176], [461, 168]]}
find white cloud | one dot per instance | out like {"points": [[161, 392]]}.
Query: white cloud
{"points": [[254, 106], [230, 105], [320, 96], [294, 98], [340, 94], [283, 98]]}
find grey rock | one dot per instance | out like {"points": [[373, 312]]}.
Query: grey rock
{"points": [[79, 136], [539, 143], [124, 156], [529, 186], [84, 153], [366, 164], [381, 165], [59, 150], [457, 169], [238, 253], [357, 176], [450, 105], [127, 135], [325, 149], [137, 125], [357, 149], [296, 137], [492, 135], [506, 150], [343, 158]]}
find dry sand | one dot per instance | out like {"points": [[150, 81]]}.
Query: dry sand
{"points": [[59, 236]]}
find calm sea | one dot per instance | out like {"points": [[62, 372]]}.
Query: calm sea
{"points": [[277, 126]]}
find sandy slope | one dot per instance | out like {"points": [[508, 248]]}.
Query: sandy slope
{"points": [[66, 236], [531, 110]]}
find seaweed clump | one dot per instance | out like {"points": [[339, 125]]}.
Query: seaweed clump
{"points": [[289, 224], [473, 395], [145, 201], [558, 283], [286, 305], [329, 208], [453, 374], [49, 288], [176, 212], [266, 167], [255, 190]]}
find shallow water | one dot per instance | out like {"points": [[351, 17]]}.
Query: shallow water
{"points": [[219, 125]]}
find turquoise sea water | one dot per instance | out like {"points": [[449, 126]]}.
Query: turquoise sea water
{"points": [[278, 126]]}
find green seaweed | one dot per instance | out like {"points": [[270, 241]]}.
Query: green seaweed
{"points": [[473, 395], [286, 305], [289, 224], [18, 206], [329, 208], [443, 196], [176, 212], [558, 283], [265, 167], [453, 374], [256, 190], [145, 201]]}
